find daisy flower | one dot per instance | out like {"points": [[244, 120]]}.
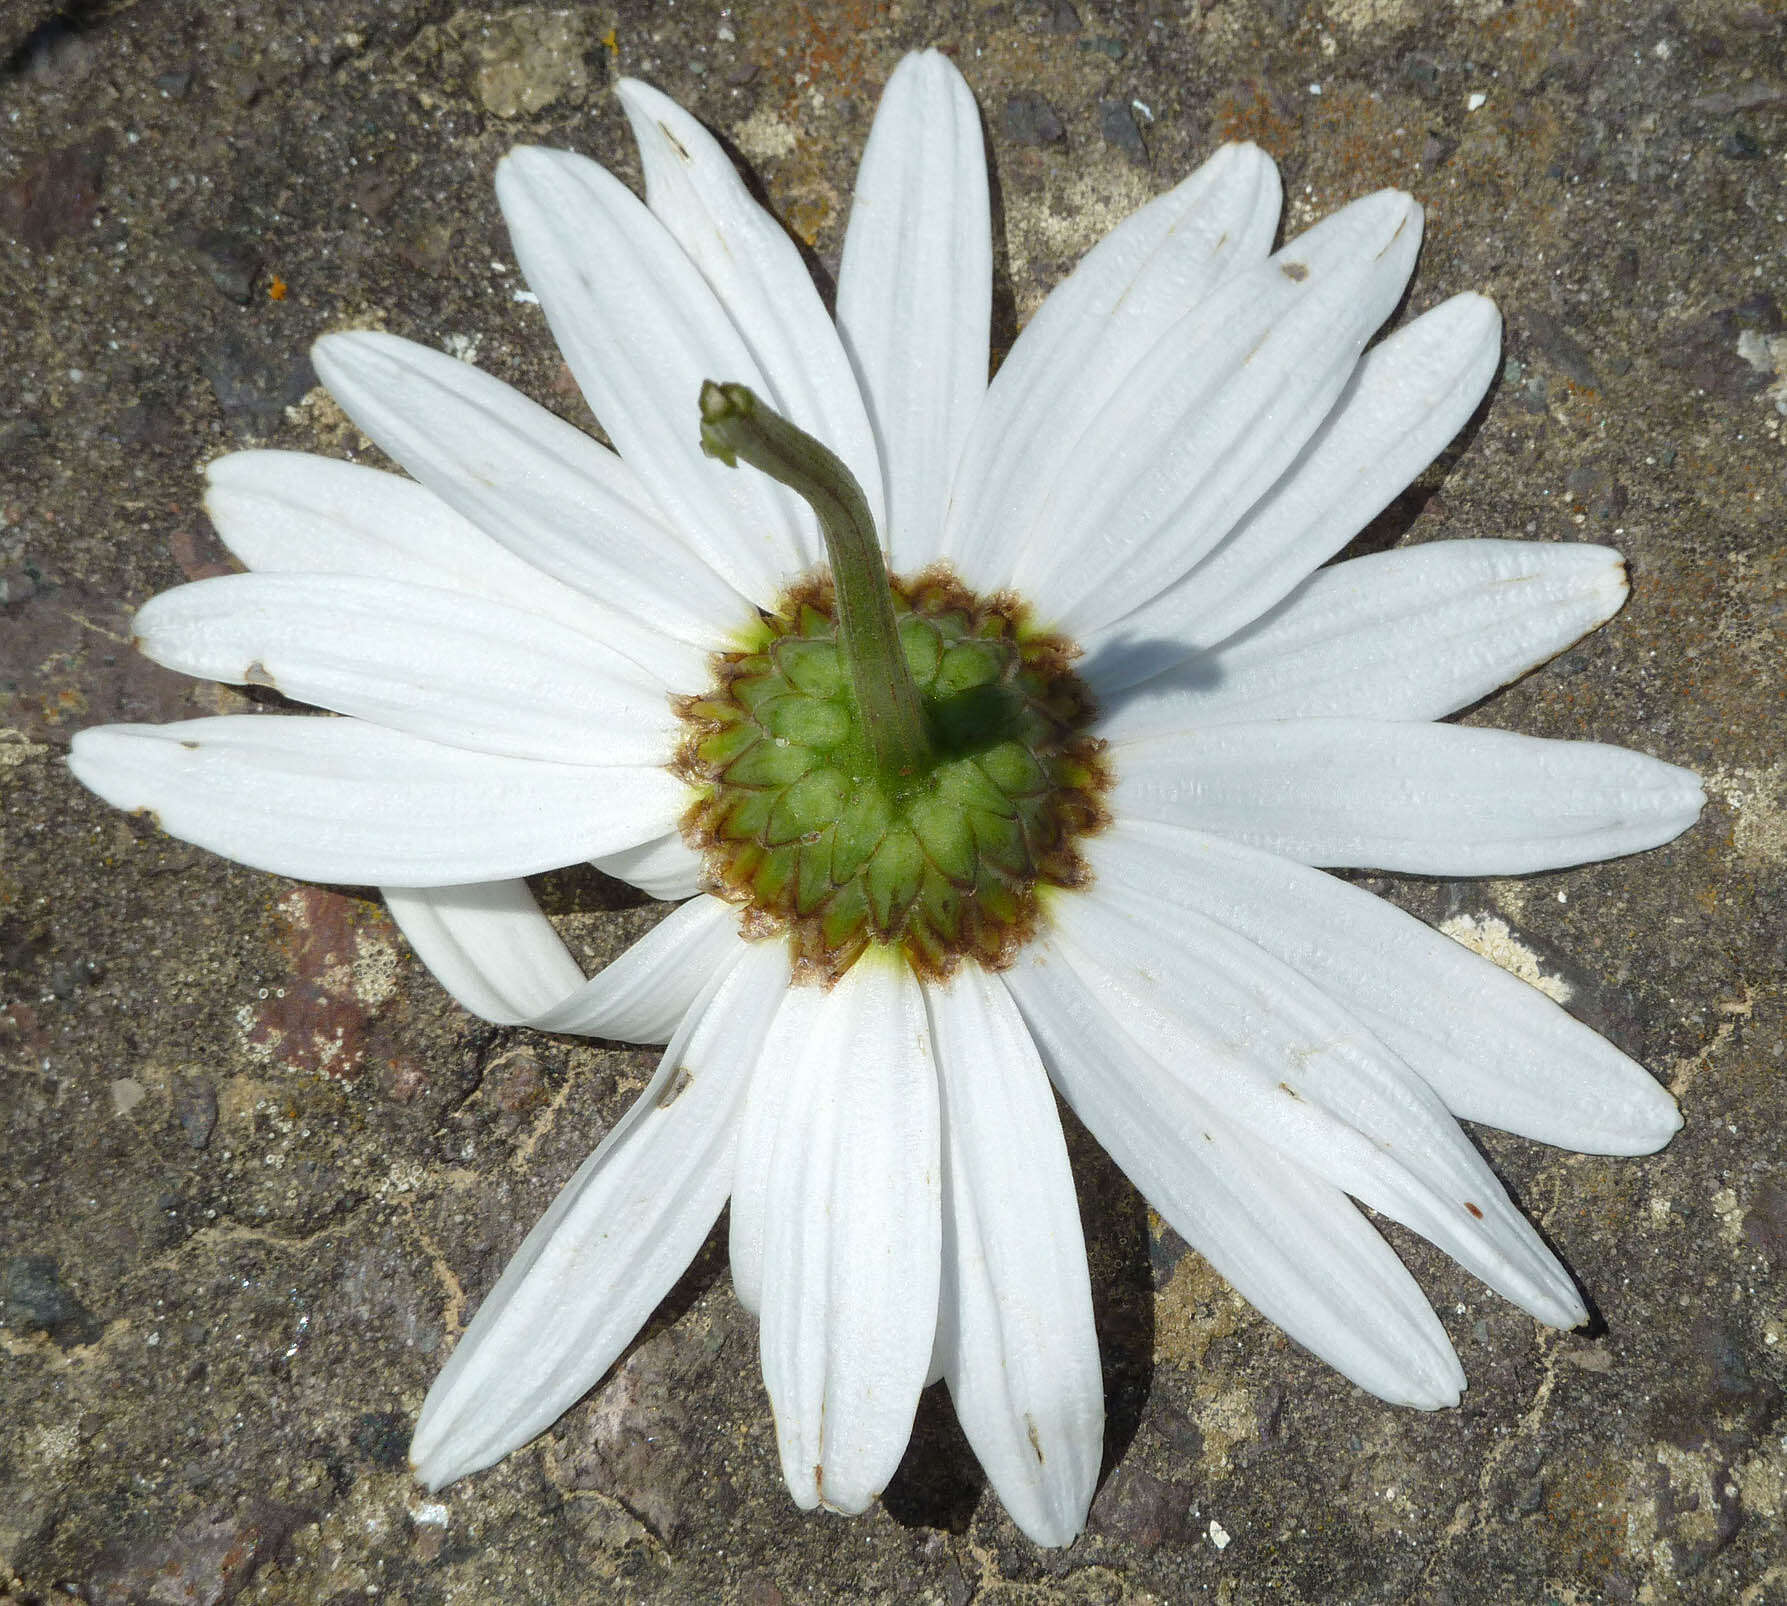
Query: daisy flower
{"points": [[996, 735]]}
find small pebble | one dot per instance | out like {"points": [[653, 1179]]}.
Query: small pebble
{"points": [[1116, 121], [1031, 120]]}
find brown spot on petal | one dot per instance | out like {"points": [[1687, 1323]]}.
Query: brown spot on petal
{"points": [[1473, 1209], [1296, 271], [256, 675], [680, 1079]]}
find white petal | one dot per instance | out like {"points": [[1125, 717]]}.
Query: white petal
{"points": [[1209, 419], [1015, 1329], [543, 488], [1407, 398], [641, 330], [643, 995], [614, 1242], [756, 270], [289, 513], [934, 1372], [666, 867], [499, 957], [759, 1128], [1417, 633], [1085, 340], [1393, 795], [340, 800], [915, 293], [1495, 1049], [1277, 1057], [489, 946], [463, 671], [1291, 1244], [851, 1229]]}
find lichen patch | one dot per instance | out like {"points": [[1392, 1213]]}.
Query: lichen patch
{"points": [[1495, 940]]}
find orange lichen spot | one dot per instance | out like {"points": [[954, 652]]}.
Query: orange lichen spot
{"points": [[808, 217], [276, 291], [1364, 141], [834, 45], [1248, 111], [611, 42]]}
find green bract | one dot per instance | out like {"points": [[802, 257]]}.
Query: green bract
{"points": [[798, 823]]}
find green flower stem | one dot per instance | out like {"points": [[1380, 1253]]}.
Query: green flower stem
{"points": [[735, 424]]}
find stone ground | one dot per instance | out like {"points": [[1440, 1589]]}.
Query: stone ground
{"points": [[258, 1169]]}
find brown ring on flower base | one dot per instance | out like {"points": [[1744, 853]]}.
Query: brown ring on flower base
{"points": [[793, 825]]}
